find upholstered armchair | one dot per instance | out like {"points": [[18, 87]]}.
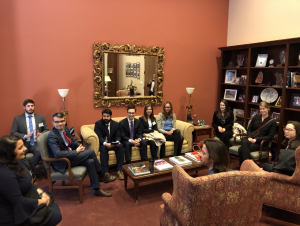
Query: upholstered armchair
{"points": [[230, 198]]}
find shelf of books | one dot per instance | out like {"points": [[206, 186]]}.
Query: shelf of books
{"points": [[267, 71]]}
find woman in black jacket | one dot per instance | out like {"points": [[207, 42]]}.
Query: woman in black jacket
{"points": [[148, 122], [262, 127], [223, 122], [292, 142]]}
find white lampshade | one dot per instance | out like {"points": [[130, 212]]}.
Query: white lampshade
{"points": [[190, 90], [63, 92], [107, 78]]}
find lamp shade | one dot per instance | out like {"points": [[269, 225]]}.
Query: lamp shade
{"points": [[190, 90], [63, 92], [107, 78]]}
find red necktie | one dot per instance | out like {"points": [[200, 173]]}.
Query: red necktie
{"points": [[67, 138]]}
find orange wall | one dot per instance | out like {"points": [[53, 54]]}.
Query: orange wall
{"points": [[46, 45]]}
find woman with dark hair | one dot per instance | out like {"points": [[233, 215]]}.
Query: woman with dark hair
{"points": [[166, 124], [262, 127], [223, 123], [148, 122], [285, 162], [215, 156], [21, 202]]}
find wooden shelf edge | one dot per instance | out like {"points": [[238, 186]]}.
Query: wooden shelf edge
{"points": [[275, 87], [231, 84], [291, 109], [266, 67]]}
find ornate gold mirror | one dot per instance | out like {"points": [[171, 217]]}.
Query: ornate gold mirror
{"points": [[125, 74]]}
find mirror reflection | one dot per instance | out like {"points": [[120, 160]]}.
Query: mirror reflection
{"points": [[128, 75]]}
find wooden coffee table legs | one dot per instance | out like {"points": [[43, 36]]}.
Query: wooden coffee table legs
{"points": [[136, 186], [125, 179]]}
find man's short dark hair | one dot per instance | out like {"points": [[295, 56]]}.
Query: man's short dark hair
{"points": [[58, 115], [107, 111], [28, 101], [131, 107]]}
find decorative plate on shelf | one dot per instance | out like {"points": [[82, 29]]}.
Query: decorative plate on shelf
{"points": [[269, 95]]}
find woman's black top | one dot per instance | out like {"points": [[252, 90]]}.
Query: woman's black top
{"points": [[267, 132], [228, 124], [14, 207], [145, 125]]}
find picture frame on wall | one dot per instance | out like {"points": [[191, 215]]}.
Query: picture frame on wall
{"points": [[254, 98], [131, 73], [138, 66], [276, 116], [134, 74], [230, 75], [253, 112], [138, 74], [278, 102], [134, 66], [295, 101], [230, 94], [261, 60]]}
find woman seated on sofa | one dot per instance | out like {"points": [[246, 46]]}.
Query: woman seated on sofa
{"points": [[148, 122], [19, 198], [262, 127], [285, 162], [215, 156], [223, 123], [166, 124]]}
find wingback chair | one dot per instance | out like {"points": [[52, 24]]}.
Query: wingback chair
{"points": [[76, 173], [230, 198]]}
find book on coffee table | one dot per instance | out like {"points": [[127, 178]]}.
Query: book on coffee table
{"points": [[162, 165], [179, 160], [138, 169], [195, 156]]}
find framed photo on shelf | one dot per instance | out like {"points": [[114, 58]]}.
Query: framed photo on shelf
{"points": [[229, 76], [236, 80], [243, 80], [296, 81], [238, 112], [254, 98], [295, 101], [276, 116], [230, 94], [278, 102], [254, 111], [241, 97], [261, 60]]}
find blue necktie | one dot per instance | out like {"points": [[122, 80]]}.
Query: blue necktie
{"points": [[31, 129]]}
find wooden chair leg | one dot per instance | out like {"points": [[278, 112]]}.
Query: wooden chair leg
{"points": [[51, 186], [63, 183], [80, 191]]}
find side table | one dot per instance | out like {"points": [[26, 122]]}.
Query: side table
{"points": [[199, 130]]}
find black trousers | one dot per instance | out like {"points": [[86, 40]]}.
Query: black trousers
{"points": [[269, 167], [56, 217], [36, 153], [247, 147], [178, 140], [225, 137], [153, 149], [119, 152], [127, 149]]}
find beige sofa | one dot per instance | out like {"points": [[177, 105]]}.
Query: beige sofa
{"points": [[91, 141]]}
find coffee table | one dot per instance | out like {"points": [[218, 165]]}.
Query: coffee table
{"points": [[155, 175]]}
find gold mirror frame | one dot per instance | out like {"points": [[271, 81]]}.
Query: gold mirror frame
{"points": [[100, 100]]}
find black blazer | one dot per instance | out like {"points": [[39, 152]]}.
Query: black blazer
{"points": [[149, 85], [218, 122], [58, 149], [265, 133], [145, 125], [100, 130], [125, 130]]}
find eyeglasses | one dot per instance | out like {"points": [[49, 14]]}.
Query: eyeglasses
{"points": [[287, 130], [57, 122], [130, 113]]}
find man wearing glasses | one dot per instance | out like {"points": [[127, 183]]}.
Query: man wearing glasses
{"points": [[62, 145], [132, 134]]}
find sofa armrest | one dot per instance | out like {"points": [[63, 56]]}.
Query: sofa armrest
{"points": [[90, 138], [186, 130], [250, 165]]}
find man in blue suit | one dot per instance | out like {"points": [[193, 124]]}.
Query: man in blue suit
{"points": [[62, 145]]}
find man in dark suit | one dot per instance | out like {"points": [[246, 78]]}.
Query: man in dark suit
{"points": [[62, 145], [151, 85], [109, 139], [131, 135], [29, 126]]}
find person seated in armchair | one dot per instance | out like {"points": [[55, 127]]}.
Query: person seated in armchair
{"points": [[62, 145], [108, 132], [131, 135], [215, 156]]}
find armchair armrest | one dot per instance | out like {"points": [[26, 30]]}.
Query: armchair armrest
{"points": [[250, 165], [166, 197], [261, 146], [71, 174], [186, 130], [90, 138], [240, 135]]}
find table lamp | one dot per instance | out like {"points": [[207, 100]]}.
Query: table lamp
{"points": [[63, 93], [189, 107]]}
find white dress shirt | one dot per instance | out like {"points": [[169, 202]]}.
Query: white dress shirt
{"points": [[33, 126]]}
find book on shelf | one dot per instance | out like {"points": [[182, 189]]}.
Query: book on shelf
{"points": [[162, 165], [138, 169], [288, 79], [195, 156], [180, 160]]}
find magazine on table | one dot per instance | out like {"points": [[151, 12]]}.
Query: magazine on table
{"points": [[180, 160], [162, 165], [195, 156], [138, 169]]}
